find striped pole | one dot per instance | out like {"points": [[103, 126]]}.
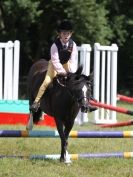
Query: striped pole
{"points": [[125, 98], [73, 134], [125, 155], [113, 108]]}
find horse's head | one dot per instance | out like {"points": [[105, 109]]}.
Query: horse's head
{"points": [[79, 85]]}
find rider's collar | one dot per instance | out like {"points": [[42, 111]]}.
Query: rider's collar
{"points": [[64, 43]]}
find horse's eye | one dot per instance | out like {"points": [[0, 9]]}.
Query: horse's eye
{"points": [[88, 83]]}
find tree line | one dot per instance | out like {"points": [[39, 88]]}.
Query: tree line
{"points": [[34, 23]]}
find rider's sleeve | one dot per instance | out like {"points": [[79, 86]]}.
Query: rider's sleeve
{"points": [[55, 60], [73, 61]]}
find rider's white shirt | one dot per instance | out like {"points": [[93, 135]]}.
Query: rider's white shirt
{"points": [[56, 62]]}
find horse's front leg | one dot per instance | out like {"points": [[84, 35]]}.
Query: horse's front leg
{"points": [[59, 125], [68, 126], [64, 154]]}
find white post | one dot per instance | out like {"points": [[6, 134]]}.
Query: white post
{"points": [[114, 78], [8, 71], [102, 83], [108, 82], [16, 70], [96, 78], [86, 49]]}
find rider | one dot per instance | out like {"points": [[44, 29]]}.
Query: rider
{"points": [[63, 60]]}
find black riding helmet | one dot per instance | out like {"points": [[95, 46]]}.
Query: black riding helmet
{"points": [[65, 26]]}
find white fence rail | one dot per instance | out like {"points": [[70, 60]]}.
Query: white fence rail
{"points": [[105, 81]]}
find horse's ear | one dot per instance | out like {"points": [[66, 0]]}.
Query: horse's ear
{"points": [[79, 70]]}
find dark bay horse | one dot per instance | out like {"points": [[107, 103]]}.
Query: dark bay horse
{"points": [[62, 99]]}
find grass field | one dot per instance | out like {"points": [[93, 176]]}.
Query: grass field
{"points": [[83, 167]]}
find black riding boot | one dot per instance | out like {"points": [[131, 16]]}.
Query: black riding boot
{"points": [[35, 106]]}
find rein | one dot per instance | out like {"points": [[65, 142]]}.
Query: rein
{"points": [[60, 83], [64, 85]]}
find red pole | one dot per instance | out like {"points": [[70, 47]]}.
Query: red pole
{"points": [[113, 108], [119, 124], [125, 98]]}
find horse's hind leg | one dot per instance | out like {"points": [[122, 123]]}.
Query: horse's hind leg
{"points": [[34, 117], [29, 126]]}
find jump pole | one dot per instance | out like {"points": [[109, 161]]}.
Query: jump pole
{"points": [[119, 124], [73, 134], [125, 98], [125, 155], [113, 108]]}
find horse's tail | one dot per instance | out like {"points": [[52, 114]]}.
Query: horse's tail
{"points": [[37, 116]]}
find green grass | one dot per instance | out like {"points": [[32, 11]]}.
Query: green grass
{"points": [[82, 167]]}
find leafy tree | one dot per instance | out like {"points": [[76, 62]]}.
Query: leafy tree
{"points": [[121, 20], [34, 23], [90, 21], [17, 18]]}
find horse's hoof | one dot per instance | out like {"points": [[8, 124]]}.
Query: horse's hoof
{"points": [[68, 162], [67, 158]]}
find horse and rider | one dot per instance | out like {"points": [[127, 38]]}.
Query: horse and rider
{"points": [[58, 88]]}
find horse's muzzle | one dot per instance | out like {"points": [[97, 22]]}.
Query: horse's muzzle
{"points": [[84, 105]]}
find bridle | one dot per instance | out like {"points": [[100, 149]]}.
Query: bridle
{"points": [[70, 92], [65, 86], [61, 84]]}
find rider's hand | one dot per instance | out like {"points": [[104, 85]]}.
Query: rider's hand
{"points": [[63, 73]]}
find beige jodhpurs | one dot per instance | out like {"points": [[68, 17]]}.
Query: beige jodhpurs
{"points": [[51, 73]]}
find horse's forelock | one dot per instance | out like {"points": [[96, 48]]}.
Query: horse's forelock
{"points": [[76, 81]]}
